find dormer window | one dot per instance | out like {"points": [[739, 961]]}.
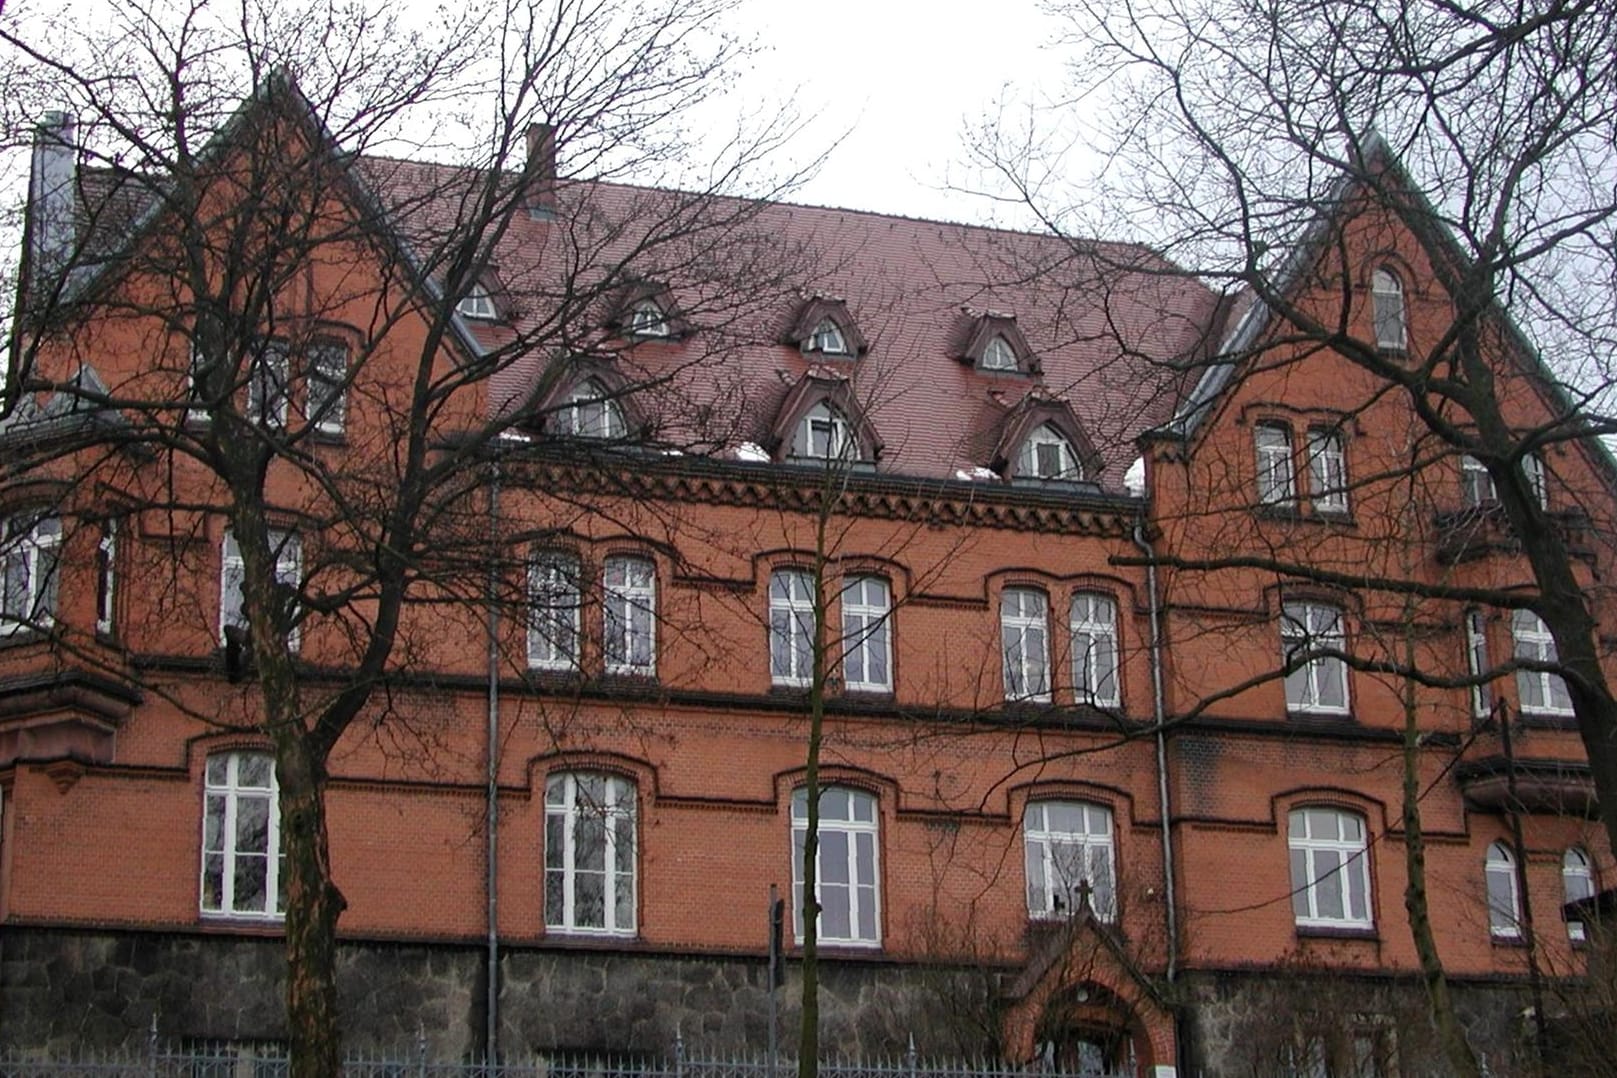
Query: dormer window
{"points": [[824, 434], [1047, 454], [476, 303], [647, 319], [998, 355], [827, 338], [1387, 303], [590, 412], [823, 324]]}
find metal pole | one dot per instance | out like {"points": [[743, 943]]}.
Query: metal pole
{"points": [[774, 974]]}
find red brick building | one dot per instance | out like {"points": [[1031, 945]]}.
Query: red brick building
{"points": [[998, 432]]}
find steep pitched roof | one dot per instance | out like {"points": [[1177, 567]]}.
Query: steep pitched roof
{"points": [[1114, 326]]}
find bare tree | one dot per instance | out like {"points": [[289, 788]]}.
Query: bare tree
{"points": [[1279, 148], [236, 309]]}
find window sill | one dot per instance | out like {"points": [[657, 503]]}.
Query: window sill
{"points": [[1318, 715], [1516, 942], [586, 936], [872, 693], [268, 924], [1549, 720], [1339, 932], [844, 948]]}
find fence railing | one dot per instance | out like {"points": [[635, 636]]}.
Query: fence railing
{"points": [[268, 1060]]}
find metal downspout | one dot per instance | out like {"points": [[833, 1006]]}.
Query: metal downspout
{"points": [[491, 1040], [1159, 715]]}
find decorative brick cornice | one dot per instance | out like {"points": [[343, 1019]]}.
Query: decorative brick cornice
{"points": [[804, 489]]}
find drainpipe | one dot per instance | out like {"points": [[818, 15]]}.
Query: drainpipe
{"points": [[1159, 715], [491, 1036]]}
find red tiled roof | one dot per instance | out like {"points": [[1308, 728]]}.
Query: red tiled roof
{"points": [[1112, 325]]}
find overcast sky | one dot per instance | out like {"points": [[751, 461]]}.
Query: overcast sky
{"points": [[903, 79]]}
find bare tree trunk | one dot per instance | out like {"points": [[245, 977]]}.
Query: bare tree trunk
{"points": [[313, 906], [1456, 1049]]}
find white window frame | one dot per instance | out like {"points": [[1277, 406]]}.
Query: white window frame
{"points": [[1093, 622], [1477, 663], [1306, 626], [867, 638], [1066, 845], [106, 578], [825, 423], [1024, 627], [1537, 479], [1327, 471], [589, 411], [828, 338], [1503, 894], [1538, 692], [555, 601], [288, 552], [1277, 479], [998, 355], [1476, 485], [1330, 859], [791, 627], [569, 811], [648, 319], [325, 400], [859, 829], [629, 615], [224, 794], [269, 385], [1389, 311], [30, 572], [1037, 450], [477, 303], [1577, 884]]}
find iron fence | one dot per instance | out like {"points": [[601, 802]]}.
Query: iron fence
{"points": [[261, 1060]]}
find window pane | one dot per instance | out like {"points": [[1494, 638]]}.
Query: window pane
{"points": [[250, 883]]}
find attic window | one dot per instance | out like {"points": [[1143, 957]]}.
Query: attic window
{"points": [[824, 434], [1387, 304], [476, 303], [590, 412], [827, 338], [998, 355], [647, 319], [1047, 454]]}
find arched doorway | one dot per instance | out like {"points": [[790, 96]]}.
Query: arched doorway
{"points": [[1087, 1030]]}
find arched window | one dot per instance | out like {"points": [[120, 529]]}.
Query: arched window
{"points": [[476, 303], [646, 319], [590, 412], [1320, 684], [998, 355], [554, 601], [848, 886], [1069, 849], [1504, 899], [1577, 884], [1047, 454], [1094, 649], [243, 863], [30, 548], [629, 635], [825, 434], [1387, 302], [590, 854], [791, 627], [1330, 868], [827, 339], [1540, 692], [1024, 626]]}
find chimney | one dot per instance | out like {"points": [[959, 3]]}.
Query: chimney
{"points": [[51, 182], [541, 169]]}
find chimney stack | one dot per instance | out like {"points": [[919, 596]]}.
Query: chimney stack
{"points": [[541, 169], [53, 173]]}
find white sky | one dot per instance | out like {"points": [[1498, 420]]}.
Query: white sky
{"points": [[903, 79]]}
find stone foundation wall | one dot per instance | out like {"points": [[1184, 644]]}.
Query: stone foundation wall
{"points": [[63, 990], [1257, 1024]]}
